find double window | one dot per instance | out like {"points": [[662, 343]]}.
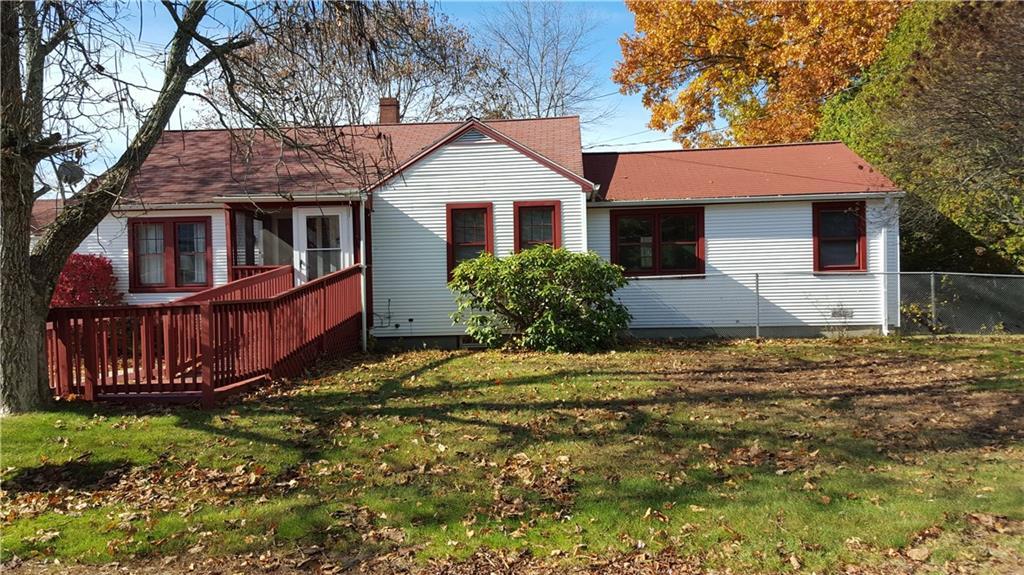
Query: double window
{"points": [[169, 254], [840, 242], [659, 242], [537, 223], [470, 232]]}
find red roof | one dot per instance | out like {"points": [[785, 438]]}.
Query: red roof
{"points": [[44, 211], [195, 166], [773, 170]]}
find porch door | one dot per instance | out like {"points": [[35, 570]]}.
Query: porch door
{"points": [[323, 240]]}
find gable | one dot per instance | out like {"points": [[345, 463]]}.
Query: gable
{"points": [[473, 132]]}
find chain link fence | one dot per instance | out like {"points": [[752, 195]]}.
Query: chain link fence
{"points": [[779, 304], [961, 303]]}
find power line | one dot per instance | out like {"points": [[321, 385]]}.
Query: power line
{"points": [[627, 143], [601, 142]]}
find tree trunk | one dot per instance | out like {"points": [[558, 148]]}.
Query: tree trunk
{"points": [[28, 276], [23, 307]]}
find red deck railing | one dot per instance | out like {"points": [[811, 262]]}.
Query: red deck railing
{"points": [[269, 281], [201, 349], [240, 272]]}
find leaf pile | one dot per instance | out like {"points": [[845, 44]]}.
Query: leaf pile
{"points": [[160, 486], [520, 477]]}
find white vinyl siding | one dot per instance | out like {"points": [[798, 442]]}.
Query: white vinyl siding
{"points": [[409, 234], [766, 237], [110, 239]]}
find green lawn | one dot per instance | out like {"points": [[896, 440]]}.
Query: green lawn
{"points": [[754, 456]]}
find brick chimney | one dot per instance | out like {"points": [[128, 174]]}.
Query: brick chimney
{"points": [[389, 111]]}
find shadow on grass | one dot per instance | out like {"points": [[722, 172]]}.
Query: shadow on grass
{"points": [[639, 440], [77, 474]]}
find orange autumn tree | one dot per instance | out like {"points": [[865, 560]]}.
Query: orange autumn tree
{"points": [[764, 67]]}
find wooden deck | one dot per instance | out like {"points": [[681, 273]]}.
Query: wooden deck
{"points": [[206, 345]]}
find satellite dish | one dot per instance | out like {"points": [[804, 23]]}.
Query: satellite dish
{"points": [[70, 172]]}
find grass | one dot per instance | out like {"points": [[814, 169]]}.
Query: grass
{"points": [[748, 455]]}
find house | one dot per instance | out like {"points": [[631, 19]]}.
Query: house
{"points": [[794, 238]]}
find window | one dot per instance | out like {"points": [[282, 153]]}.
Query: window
{"points": [[469, 232], [537, 223], [840, 243], [653, 242], [323, 245], [171, 254]]}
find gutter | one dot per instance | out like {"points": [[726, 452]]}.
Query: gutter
{"points": [[746, 199], [155, 206], [341, 195]]}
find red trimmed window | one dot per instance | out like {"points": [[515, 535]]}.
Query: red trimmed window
{"points": [[169, 254], [537, 223], [470, 232], [659, 242], [840, 244]]}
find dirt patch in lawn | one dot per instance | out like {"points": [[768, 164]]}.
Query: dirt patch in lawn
{"points": [[905, 402]]}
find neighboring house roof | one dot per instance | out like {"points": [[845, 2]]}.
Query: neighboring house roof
{"points": [[772, 170], [195, 166], [44, 211]]}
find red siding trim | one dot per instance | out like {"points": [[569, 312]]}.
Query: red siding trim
{"points": [[654, 213], [488, 229], [556, 219], [862, 240], [170, 255]]}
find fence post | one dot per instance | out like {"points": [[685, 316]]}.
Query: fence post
{"points": [[206, 351], [935, 315], [272, 368], [89, 356], [757, 306], [62, 364]]}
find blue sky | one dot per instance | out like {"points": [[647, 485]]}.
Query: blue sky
{"points": [[626, 128]]}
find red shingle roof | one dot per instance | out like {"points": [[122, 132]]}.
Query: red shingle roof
{"points": [[44, 211], [775, 170], [195, 166]]}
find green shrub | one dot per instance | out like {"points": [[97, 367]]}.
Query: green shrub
{"points": [[541, 299]]}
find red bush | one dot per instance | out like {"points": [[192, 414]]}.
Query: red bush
{"points": [[86, 280]]}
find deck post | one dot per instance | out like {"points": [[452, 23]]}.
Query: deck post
{"points": [[271, 333], [206, 352], [65, 372], [89, 357]]}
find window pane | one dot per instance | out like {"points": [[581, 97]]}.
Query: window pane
{"points": [[679, 256], [323, 232], [637, 257], [191, 269], [678, 228], [635, 229], [463, 253], [535, 226], [837, 253], [468, 226], [322, 262], [149, 248], [836, 224], [191, 265], [191, 237]]}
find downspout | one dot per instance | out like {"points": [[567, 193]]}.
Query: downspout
{"points": [[362, 272]]}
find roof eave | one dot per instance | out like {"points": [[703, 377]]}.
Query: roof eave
{"points": [[751, 199]]}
